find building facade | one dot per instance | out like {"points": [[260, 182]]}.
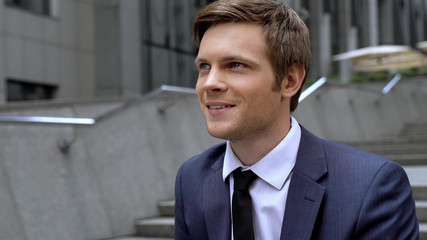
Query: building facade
{"points": [[85, 49]]}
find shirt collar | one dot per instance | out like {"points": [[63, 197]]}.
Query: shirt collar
{"points": [[276, 166]]}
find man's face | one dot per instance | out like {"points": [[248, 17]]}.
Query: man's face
{"points": [[235, 83]]}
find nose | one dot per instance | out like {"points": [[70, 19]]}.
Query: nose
{"points": [[214, 81]]}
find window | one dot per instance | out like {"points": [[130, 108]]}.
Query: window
{"points": [[26, 91], [37, 6]]}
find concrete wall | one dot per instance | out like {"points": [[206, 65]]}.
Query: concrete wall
{"points": [[114, 173], [117, 171], [356, 112]]}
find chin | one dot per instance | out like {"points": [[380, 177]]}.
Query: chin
{"points": [[218, 133]]}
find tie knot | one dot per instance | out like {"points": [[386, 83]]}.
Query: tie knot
{"points": [[243, 179]]}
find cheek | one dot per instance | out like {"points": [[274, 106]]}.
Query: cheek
{"points": [[199, 87], [198, 84], [200, 94], [265, 101]]}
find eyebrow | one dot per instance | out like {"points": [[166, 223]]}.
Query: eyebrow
{"points": [[227, 59], [199, 60]]}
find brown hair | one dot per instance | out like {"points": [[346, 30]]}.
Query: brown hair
{"points": [[287, 37]]}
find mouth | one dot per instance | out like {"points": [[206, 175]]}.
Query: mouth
{"points": [[217, 109], [219, 106]]}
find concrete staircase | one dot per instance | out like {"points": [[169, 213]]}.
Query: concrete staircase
{"points": [[156, 228], [162, 226], [409, 149]]}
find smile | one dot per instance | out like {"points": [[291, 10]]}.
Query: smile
{"points": [[219, 106]]}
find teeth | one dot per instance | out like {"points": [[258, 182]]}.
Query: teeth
{"points": [[217, 107]]}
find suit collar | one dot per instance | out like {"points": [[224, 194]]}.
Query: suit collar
{"points": [[311, 156], [305, 193]]}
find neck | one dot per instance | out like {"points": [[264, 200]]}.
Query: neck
{"points": [[250, 151]]}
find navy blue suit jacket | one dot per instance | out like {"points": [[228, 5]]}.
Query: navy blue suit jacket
{"points": [[336, 192]]}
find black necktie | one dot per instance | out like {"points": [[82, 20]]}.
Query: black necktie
{"points": [[242, 205]]}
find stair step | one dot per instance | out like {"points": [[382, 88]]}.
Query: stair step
{"points": [[166, 208], [403, 139], [419, 193], [160, 227], [411, 129], [417, 175], [408, 159], [421, 211], [394, 148], [413, 138], [414, 131], [418, 178], [423, 231]]}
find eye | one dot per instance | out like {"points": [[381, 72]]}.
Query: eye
{"points": [[236, 65], [204, 66]]}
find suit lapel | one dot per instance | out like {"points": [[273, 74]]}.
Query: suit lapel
{"points": [[305, 193], [217, 204]]}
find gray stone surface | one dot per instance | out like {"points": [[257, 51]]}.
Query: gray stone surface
{"points": [[11, 226], [156, 227], [358, 112], [113, 174], [166, 208], [55, 194], [423, 231], [421, 211], [417, 175]]}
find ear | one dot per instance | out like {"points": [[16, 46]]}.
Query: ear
{"points": [[292, 81]]}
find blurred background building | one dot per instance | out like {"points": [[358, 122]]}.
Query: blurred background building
{"points": [[77, 49]]}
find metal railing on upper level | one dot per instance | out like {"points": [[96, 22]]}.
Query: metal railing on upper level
{"points": [[385, 90], [391, 84], [312, 89]]}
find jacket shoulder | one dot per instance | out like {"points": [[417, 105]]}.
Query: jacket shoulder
{"points": [[349, 154]]}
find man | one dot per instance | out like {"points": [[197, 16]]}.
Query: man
{"points": [[253, 56]]}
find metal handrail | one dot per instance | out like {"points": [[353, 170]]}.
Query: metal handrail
{"points": [[386, 89], [43, 119], [391, 84], [312, 89], [92, 121]]}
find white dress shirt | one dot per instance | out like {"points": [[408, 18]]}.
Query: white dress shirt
{"points": [[270, 190]]}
